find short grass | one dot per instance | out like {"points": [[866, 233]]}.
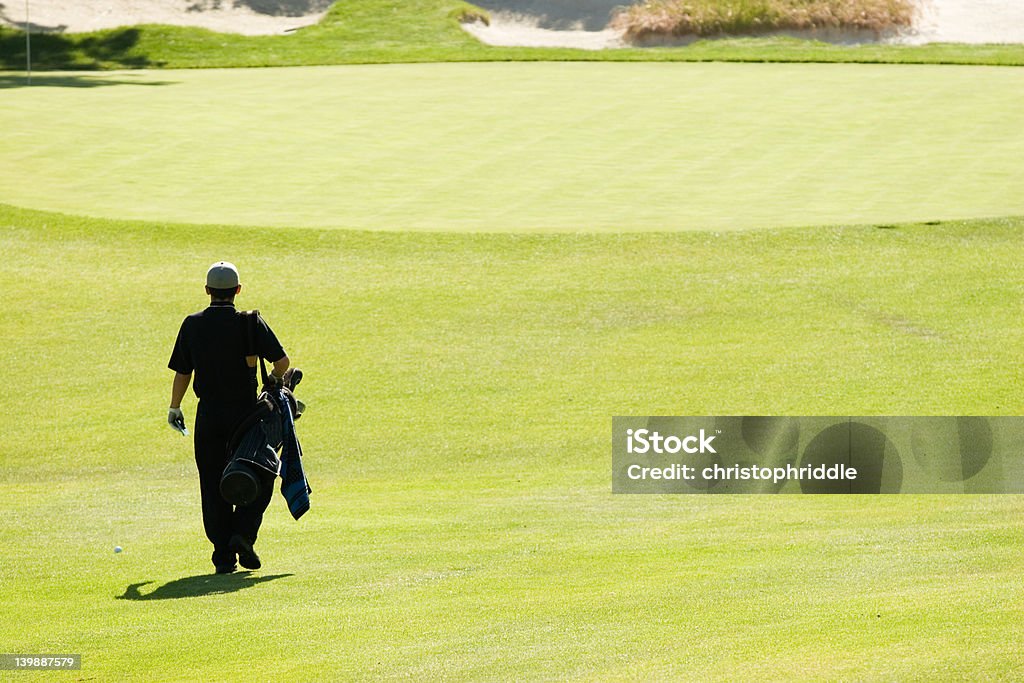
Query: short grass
{"points": [[387, 31], [495, 147], [461, 388]]}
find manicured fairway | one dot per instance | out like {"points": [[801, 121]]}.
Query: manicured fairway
{"points": [[521, 146], [461, 389]]}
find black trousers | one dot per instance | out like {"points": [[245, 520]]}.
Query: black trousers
{"points": [[215, 424]]}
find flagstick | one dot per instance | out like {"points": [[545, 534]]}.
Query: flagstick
{"points": [[28, 46]]}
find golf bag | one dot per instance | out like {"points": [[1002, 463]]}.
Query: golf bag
{"points": [[266, 431]]}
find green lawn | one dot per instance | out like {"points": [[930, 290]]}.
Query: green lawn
{"points": [[493, 147], [483, 263], [388, 31], [461, 388]]}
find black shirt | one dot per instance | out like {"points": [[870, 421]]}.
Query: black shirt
{"points": [[212, 343]]}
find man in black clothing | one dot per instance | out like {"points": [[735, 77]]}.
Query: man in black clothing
{"points": [[213, 345]]}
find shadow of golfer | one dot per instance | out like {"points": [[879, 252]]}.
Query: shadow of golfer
{"points": [[197, 586]]}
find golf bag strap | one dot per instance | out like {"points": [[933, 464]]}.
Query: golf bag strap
{"points": [[251, 319]]}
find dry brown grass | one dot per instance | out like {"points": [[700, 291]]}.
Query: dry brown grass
{"points": [[736, 17]]}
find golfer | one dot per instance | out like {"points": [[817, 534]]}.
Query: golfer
{"points": [[212, 344]]}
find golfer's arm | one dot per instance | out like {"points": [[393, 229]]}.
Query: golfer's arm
{"points": [[281, 365], [179, 387]]}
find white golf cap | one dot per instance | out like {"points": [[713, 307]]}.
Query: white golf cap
{"points": [[222, 275]]}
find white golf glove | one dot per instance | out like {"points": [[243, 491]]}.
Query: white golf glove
{"points": [[176, 419]]}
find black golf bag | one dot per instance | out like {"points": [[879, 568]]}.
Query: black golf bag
{"points": [[256, 442]]}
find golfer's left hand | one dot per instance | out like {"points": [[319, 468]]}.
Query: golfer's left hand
{"points": [[176, 419]]}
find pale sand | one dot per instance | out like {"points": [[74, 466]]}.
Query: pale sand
{"points": [[249, 17], [537, 23], [969, 21], [520, 30]]}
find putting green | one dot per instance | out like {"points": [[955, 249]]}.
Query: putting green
{"points": [[522, 146]]}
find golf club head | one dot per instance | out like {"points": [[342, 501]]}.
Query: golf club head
{"points": [[292, 377]]}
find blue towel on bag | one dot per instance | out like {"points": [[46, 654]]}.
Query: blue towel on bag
{"points": [[294, 486]]}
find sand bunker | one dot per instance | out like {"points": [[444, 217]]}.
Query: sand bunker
{"points": [[519, 30], [576, 15], [562, 23], [535, 23], [968, 21], [249, 17]]}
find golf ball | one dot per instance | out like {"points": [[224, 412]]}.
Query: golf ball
{"points": [[118, 548]]}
